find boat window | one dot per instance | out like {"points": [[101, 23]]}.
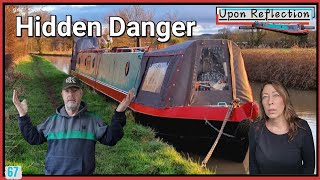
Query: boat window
{"points": [[87, 43], [212, 72], [88, 63], [291, 27], [154, 78]]}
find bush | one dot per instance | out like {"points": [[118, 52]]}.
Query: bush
{"points": [[8, 61], [295, 67]]}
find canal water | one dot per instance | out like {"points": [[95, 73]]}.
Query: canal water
{"points": [[60, 62], [304, 103]]}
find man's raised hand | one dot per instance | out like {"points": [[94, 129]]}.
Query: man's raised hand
{"points": [[22, 107], [126, 101]]}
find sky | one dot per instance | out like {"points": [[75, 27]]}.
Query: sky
{"points": [[204, 15]]}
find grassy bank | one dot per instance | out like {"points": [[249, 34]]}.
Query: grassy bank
{"points": [[137, 153], [294, 67]]}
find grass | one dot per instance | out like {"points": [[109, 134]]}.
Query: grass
{"points": [[139, 152], [294, 67]]}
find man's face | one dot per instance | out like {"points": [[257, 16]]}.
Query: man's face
{"points": [[72, 98]]}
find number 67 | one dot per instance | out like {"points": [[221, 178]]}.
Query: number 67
{"points": [[12, 171]]}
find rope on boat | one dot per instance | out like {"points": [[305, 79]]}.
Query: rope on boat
{"points": [[233, 105], [216, 129]]}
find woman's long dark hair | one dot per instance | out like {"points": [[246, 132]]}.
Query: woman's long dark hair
{"points": [[289, 113]]}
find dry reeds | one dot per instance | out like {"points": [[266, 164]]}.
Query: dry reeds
{"points": [[295, 67]]}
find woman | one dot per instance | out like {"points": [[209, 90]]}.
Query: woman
{"points": [[279, 142]]}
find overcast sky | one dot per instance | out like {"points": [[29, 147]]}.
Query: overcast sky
{"points": [[204, 15]]}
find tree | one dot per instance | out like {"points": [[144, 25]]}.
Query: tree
{"points": [[225, 33], [25, 11], [303, 41], [11, 46], [41, 41], [259, 36], [171, 16], [132, 13]]}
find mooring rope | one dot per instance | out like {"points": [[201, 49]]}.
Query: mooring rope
{"points": [[233, 105]]}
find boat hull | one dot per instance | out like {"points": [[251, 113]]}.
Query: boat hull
{"points": [[197, 136]]}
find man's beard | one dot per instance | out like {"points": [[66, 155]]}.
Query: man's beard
{"points": [[72, 106]]}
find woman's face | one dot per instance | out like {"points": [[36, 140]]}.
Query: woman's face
{"points": [[272, 102]]}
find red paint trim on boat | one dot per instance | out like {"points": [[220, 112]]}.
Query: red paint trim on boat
{"points": [[245, 111]]}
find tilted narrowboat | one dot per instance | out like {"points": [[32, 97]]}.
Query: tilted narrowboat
{"points": [[183, 90]]}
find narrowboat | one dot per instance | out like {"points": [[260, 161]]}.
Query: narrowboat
{"points": [[184, 90]]}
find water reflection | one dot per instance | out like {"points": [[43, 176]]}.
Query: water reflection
{"points": [[60, 62]]}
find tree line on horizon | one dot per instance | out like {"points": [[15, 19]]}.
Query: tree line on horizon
{"points": [[258, 38]]}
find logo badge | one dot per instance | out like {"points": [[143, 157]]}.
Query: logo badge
{"points": [[70, 80], [13, 172]]}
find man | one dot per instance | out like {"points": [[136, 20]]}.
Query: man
{"points": [[72, 132]]}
